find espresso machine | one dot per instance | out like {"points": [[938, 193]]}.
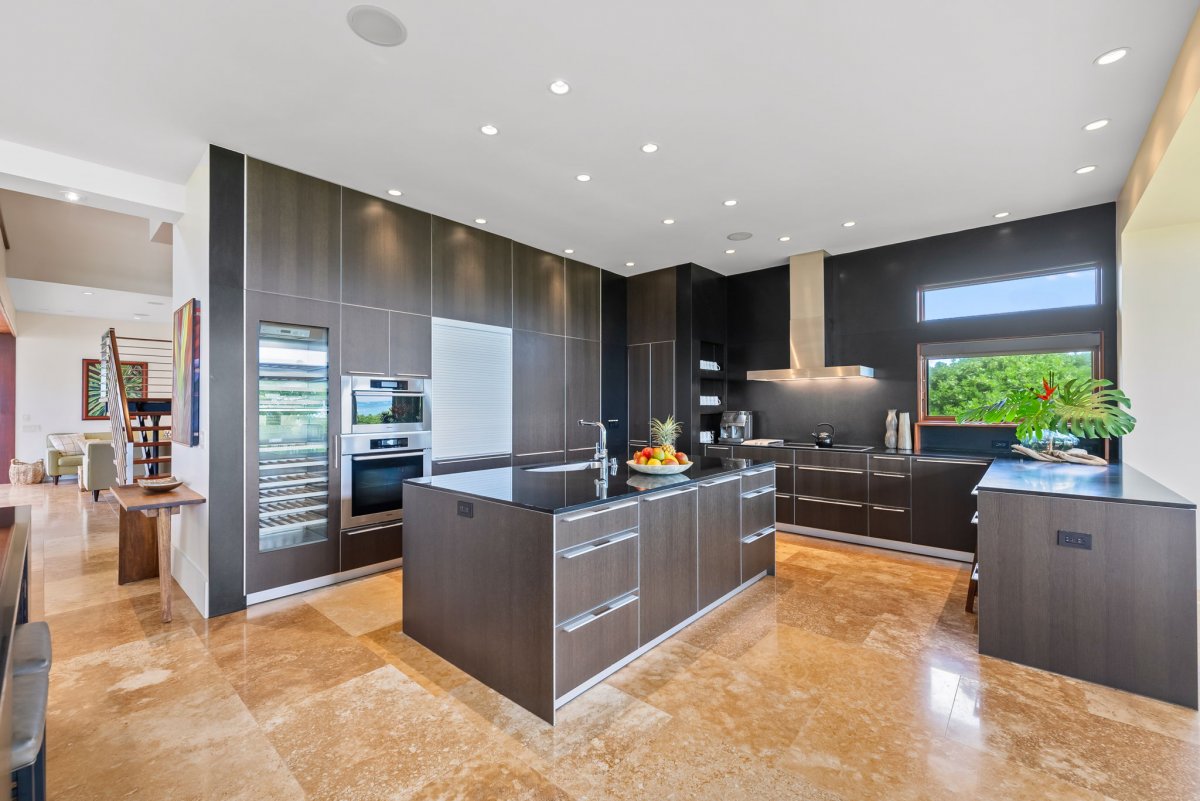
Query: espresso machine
{"points": [[736, 428]]}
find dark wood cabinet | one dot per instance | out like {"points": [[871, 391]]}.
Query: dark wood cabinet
{"points": [[472, 274], [583, 392], [385, 254], [717, 538], [942, 503], [539, 290], [586, 647], [293, 233], [785, 509], [827, 515], [538, 392], [411, 351], [639, 394], [651, 306], [891, 489], [891, 523], [836, 483], [370, 546], [549, 457], [590, 575], [758, 554], [583, 300], [668, 561], [662, 381], [366, 339]]}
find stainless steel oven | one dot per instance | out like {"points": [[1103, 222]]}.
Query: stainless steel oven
{"points": [[374, 468], [377, 405]]}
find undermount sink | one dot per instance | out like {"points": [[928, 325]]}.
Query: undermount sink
{"points": [[569, 467], [812, 447]]}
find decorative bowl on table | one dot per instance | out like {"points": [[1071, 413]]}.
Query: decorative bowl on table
{"points": [[658, 469], [159, 483]]}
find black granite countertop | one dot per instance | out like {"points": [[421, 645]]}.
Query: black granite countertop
{"points": [[879, 450], [555, 493], [1116, 483]]}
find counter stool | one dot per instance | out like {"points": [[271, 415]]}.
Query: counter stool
{"points": [[31, 648], [30, 695]]}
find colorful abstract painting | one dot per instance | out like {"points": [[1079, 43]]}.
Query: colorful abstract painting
{"points": [[185, 382], [95, 386]]}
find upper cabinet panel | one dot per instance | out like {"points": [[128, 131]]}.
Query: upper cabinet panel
{"points": [[652, 307], [583, 300], [472, 274], [539, 292], [293, 233], [386, 260]]}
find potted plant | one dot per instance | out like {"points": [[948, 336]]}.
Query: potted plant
{"points": [[1082, 407]]}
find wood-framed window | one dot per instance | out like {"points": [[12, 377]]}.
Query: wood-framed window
{"points": [[1053, 288], [956, 376]]}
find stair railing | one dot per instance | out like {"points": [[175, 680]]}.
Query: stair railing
{"points": [[118, 406]]}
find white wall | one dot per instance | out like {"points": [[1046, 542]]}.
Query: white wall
{"points": [[189, 279], [1160, 363], [50, 353]]}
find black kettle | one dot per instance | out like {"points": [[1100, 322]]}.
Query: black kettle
{"points": [[823, 439]]}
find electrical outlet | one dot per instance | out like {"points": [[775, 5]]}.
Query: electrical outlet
{"points": [[466, 509], [1075, 539]]}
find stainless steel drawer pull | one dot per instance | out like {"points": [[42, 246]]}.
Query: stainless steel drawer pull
{"points": [[888, 509], [591, 617], [891, 475], [717, 448], [975, 519], [955, 461], [600, 510], [758, 535], [891, 458], [758, 471], [717, 481], [595, 546], [824, 500], [370, 529], [830, 469], [760, 491], [670, 494], [364, 372]]}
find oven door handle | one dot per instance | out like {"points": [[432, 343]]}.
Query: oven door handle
{"points": [[389, 455]]}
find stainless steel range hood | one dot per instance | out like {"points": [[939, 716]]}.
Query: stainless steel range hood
{"points": [[806, 329]]}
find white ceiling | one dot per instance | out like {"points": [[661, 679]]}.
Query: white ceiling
{"points": [[912, 118], [47, 297], [73, 243]]}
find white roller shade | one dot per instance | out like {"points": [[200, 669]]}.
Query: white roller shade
{"points": [[472, 389]]}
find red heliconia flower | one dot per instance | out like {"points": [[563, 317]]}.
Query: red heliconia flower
{"points": [[1048, 390]]}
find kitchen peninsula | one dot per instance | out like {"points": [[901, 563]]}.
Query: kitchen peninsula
{"points": [[540, 581]]}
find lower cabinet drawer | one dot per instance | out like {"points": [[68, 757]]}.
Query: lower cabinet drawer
{"points": [[589, 645], [839, 483], [758, 554], [784, 479], [576, 528], [785, 509], [589, 575], [371, 545], [891, 489], [758, 478], [758, 509], [844, 516], [891, 523]]}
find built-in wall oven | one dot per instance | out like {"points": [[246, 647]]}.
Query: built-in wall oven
{"points": [[378, 405], [374, 469]]}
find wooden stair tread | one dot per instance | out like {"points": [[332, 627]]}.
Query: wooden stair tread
{"points": [[154, 399], [152, 460], [162, 443], [149, 428]]}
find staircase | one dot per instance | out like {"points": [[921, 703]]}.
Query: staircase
{"points": [[139, 406]]}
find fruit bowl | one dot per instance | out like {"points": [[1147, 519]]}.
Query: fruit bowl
{"points": [[658, 469]]}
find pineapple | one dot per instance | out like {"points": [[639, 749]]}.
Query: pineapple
{"points": [[663, 433]]}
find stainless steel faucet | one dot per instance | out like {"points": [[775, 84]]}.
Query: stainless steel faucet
{"points": [[601, 454]]}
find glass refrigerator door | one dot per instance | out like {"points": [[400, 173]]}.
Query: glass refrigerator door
{"points": [[293, 436]]}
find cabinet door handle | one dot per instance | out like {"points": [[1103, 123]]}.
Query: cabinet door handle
{"points": [[600, 510], [830, 469], [888, 509], [670, 494], [891, 458], [595, 546], [592, 617], [758, 471], [717, 447], [365, 372], [758, 535], [891, 475], [955, 461], [975, 519], [825, 500], [760, 491], [370, 529], [717, 481]]}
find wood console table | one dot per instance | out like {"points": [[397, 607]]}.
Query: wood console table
{"points": [[159, 506]]}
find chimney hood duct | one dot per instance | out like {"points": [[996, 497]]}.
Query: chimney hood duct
{"points": [[806, 329]]}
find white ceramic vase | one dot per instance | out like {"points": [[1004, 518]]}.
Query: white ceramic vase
{"points": [[889, 429], [904, 435]]}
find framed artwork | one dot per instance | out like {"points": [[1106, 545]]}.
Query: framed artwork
{"points": [[95, 386], [185, 382]]}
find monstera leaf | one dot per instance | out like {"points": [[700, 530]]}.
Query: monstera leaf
{"points": [[1092, 408]]}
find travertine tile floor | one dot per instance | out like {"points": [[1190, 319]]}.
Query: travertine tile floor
{"points": [[851, 675]]}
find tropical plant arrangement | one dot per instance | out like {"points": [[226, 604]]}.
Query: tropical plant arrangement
{"points": [[1083, 407]]}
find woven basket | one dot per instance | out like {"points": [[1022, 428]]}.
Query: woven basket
{"points": [[26, 472]]}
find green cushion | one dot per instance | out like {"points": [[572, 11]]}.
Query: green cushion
{"points": [[75, 460]]}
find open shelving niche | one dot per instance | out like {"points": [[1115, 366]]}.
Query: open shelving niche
{"points": [[712, 383]]}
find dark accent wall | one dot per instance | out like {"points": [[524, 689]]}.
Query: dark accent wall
{"points": [[614, 368], [871, 310], [226, 393]]}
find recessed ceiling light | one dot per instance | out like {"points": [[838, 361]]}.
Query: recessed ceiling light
{"points": [[377, 25], [1095, 126], [649, 147], [739, 236], [489, 130], [1000, 215], [730, 202], [395, 192], [155, 303], [72, 196], [480, 221], [730, 251], [569, 251], [89, 293], [1112, 56], [849, 224], [560, 87], [1084, 170], [785, 239], [583, 177], [140, 316], [668, 221], [628, 264]]}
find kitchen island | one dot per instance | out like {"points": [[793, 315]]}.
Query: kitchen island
{"points": [[1089, 572], [540, 581]]}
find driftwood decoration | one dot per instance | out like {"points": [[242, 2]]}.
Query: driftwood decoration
{"points": [[1073, 456]]}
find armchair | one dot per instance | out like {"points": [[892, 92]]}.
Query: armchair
{"points": [[60, 464], [99, 470]]}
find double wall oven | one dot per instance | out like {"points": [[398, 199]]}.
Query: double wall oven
{"points": [[386, 440]]}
